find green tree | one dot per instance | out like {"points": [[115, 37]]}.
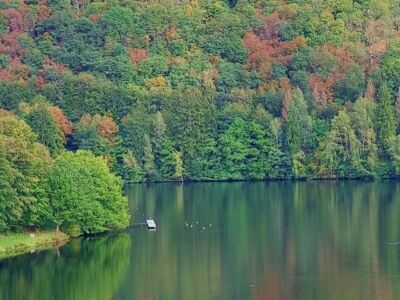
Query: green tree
{"points": [[164, 152], [394, 152], [235, 148], [261, 153], [119, 21], [385, 122], [134, 126], [41, 121], [148, 159], [339, 153], [207, 163], [84, 194], [190, 117], [390, 67], [95, 133], [132, 171], [298, 127], [178, 166], [24, 164], [351, 87], [362, 119], [299, 167]]}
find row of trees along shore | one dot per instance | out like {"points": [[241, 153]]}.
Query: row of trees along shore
{"points": [[189, 90]]}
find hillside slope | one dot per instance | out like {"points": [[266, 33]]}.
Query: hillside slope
{"points": [[241, 89]]}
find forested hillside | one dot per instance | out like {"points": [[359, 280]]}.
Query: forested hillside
{"points": [[195, 89]]}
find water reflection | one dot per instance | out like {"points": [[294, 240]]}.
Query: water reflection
{"points": [[268, 241], [274, 240], [91, 268]]}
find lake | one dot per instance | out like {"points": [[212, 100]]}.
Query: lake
{"points": [[245, 240]]}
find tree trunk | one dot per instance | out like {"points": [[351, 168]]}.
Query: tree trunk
{"points": [[57, 231]]}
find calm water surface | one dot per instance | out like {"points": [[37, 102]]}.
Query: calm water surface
{"points": [[264, 240]]}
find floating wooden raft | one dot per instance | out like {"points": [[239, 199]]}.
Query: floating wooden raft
{"points": [[151, 224]]}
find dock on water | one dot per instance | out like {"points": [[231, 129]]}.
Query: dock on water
{"points": [[151, 224]]}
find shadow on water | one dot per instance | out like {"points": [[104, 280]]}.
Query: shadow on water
{"points": [[246, 240]]}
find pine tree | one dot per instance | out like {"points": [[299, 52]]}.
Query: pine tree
{"points": [[163, 149], [362, 120], [132, 171], [339, 152], [148, 159], [385, 118], [235, 148], [298, 126]]}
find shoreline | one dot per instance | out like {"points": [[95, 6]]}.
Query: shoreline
{"points": [[310, 179], [14, 244]]}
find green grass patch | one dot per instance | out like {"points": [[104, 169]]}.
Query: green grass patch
{"points": [[17, 243]]}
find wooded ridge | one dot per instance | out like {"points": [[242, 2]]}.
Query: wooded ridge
{"points": [[196, 90]]}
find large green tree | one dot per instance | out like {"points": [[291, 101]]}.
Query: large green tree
{"points": [[24, 164], [84, 194]]}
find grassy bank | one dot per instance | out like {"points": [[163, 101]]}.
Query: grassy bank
{"points": [[18, 243]]}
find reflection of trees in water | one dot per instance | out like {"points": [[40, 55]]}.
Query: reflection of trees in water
{"points": [[91, 268], [268, 240], [322, 240]]}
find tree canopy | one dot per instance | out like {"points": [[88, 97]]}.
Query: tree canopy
{"points": [[83, 192], [216, 90]]}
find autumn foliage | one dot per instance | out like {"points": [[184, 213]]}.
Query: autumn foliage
{"points": [[62, 121], [209, 89]]}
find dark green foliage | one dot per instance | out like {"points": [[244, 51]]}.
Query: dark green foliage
{"points": [[134, 126], [154, 66], [191, 118], [42, 123], [119, 22], [231, 75], [390, 68], [351, 87], [3, 61], [3, 24], [81, 94], [11, 95], [278, 71], [164, 152], [89, 139], [248, 153], [34, 59], [229, 48], [272, 101], [235, 149]]}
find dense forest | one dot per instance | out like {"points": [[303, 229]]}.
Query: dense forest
{"points": [[205, 90]]}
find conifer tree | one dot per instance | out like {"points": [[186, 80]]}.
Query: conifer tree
{"points": [[298, 126], [148, 159], [164, 152], [385, 118]]}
